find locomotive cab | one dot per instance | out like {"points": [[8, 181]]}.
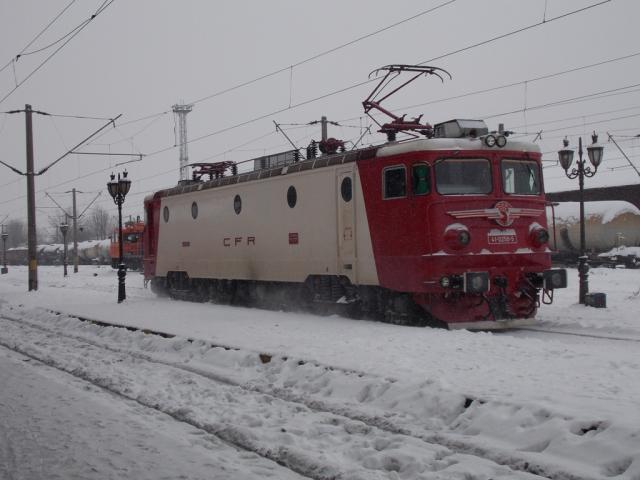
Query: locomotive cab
{"points": [[465, 228]]}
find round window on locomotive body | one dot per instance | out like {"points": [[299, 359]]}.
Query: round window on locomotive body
{"points": [[165, 214], [346, 189], [292, 196], [194, 210], [237, 204]]}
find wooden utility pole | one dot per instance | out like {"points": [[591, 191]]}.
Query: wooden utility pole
{"points": [[32, 241]]}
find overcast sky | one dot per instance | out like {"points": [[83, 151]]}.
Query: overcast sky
{"points": [[139, 57]]}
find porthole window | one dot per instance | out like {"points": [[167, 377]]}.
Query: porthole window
{"points": [[346, 189], [292, 196], [237, 204], [165, 214], [194, 210]]}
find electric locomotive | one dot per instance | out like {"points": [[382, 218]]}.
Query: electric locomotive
{"points": [[447, 230], [132, 234]]}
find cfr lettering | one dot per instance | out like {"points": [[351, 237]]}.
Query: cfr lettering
{"points": [[236, 241]]}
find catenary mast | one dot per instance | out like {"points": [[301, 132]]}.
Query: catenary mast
{"points": [[180, 111]]}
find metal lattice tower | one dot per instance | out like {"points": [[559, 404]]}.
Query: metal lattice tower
{"points": [[181, 111]]}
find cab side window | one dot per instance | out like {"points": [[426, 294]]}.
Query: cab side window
{"points": [[395, 182], [421, 176]]}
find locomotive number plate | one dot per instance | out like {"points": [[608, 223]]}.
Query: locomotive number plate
{"points": [[501, 237]]}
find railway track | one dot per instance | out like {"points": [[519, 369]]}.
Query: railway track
{"points": [[552, 331], [434, 449]]}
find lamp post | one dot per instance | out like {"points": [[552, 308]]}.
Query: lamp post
{"points": [[565, 157], [118, 189], [64, 228], [5, 235]]}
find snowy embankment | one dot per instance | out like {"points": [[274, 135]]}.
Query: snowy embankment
{"points": [[394, 402]]}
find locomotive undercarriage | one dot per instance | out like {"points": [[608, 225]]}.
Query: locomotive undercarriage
{"points": [[320, 294], [482, 310], [473, 300]]}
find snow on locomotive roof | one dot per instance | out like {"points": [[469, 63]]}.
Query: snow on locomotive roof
{"points": [[453, 144]]}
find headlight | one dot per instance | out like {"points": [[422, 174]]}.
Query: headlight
{"points": [[556, 278], [464, 237], [490, 141], [451, 281], [539, 236], [457, 237], [476, 282]]}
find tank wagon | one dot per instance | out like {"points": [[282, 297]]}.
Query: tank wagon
{"points": [[612, 233], [90, 252], [447, 230]]}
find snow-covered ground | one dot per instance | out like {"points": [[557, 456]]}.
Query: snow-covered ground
{"points": [[259, 394]]}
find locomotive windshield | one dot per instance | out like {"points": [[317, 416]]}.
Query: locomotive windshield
{"points": [[463, 176], [520, 177]]}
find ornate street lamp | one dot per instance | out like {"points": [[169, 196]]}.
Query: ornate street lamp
{"points": [[565, 156], [64, 228], [5, 235], [118, 189]]}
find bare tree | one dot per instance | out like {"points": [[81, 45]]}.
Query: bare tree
{"points": [[17, 230], [99, 222]]}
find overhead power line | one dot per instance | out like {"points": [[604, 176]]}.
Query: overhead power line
{"points": [[576, 117], [594, 95], [38, 35], [359, 84], [297, 64], [514, 32], [100, 9], [81, 117], [623, 153], [322, 54], [579, 125], [351, 87]]}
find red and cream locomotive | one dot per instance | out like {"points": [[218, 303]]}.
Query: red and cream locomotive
{"points": [[449, 229]]}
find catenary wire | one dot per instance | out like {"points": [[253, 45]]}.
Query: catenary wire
{"points": [[39, 34], [351, 87], [371, 80], [101, 9], [514, 32], [321, 54]]}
